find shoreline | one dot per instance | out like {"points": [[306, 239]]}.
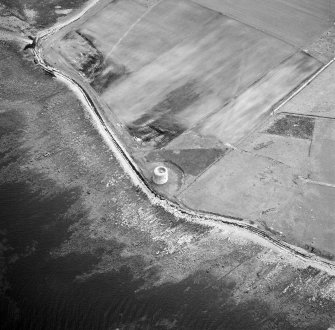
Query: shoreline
{"points": [[83, 247], [131, 169]]}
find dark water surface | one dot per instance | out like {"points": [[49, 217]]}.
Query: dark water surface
{"points": [[40, 289], [44, 10], [57, 271], [44, 293]]}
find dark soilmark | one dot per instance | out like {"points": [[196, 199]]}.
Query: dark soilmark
{"points": [[91, 61], [191, 161], [158, 126], [103, 80], [49, 73], [319, 252], [263, 145], [99, 72], [295, 126], [31, 45], [159, 133]]}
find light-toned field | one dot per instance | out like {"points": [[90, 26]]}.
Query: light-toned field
{"points": [[128, 32], [176, 65], [298, 22], [242, 114], [191, 85], [196, 77]]}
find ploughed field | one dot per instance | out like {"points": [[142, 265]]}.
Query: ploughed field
{"points": [[294, 21], [172, 68], [189, 84], [175, 67]]}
